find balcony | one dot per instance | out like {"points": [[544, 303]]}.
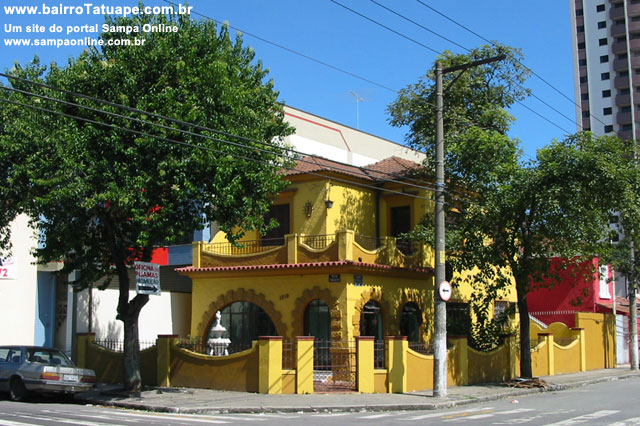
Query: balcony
{"points": [[618, 30], [616, 13], [621, 64], [625, 100], [621, 82], [300, 248], [623, 118]]}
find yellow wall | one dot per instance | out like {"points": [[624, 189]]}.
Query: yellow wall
{"points": [[540, 360], [487, 367], [599, 339], [108, 365], [391, 293], [276, 294], [420, 369], [567, 358], [237, 372], [284, 297], [353, 209]]}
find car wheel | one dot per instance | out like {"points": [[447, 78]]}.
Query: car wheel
{"points": [[17, 390]]}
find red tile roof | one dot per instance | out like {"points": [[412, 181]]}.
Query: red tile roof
{"points": [[308, 265], [383, 169]]}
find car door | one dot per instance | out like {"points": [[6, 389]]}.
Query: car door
{"points": [[10, 358]]}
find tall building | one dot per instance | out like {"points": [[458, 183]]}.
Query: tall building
{"points": [[606, 58], [606, 46]]}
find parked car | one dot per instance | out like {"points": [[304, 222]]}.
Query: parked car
{"points": [[26, 369]]}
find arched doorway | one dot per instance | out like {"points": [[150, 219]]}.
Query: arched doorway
{"points": [[371, 325], [317, 323], [371, 320], [245, 322], [410, 322], [317, 320]]}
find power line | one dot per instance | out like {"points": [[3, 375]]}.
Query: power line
{"points": [[295, 52], [468, 50], [579, 125], [280, 46], [419, 25], [385, 27], [365, 170], [218, 151]]}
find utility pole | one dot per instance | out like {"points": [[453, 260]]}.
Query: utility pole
{"points": [[440, 311], [440, 307]]}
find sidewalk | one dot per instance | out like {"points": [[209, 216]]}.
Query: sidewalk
{"points": [[205, 401]]}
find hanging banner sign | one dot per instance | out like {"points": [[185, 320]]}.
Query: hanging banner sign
{"points": [[147, 278], [8, 268]]}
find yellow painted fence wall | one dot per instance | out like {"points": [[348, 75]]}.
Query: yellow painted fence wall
{"points": [[260, 369]]}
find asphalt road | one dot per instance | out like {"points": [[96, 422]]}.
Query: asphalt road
{"points": [[609, 403]]}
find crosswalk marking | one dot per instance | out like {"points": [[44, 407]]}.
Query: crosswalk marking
{"points": [[628, 422], [331, 414], [585, 418], [182, 417], [376, 416], [61, 420], [5, 422], [448, 413]]}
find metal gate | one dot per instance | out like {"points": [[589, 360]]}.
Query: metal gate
{"points": [[334, 366]]}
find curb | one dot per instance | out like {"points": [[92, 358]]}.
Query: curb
{"points": [[352, 408]]}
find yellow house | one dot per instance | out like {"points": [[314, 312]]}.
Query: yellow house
{"points": [[332, 269]]}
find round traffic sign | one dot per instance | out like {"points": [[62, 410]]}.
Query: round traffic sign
{"points": [[445, 291]]}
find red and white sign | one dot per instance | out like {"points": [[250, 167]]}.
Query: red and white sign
{"points": [[147, 278], [8, 268], [445, 291]]}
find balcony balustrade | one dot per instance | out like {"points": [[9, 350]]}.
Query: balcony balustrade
{"points": [[300, 248]]}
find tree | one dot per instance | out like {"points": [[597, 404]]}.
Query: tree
{"points": [[624, 256], [507, 219], [105, 196]]}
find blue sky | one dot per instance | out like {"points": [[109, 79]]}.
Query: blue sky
{"points": [[327, 32]]}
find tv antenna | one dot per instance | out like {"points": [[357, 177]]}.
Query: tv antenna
{"points": [[358, 100]]}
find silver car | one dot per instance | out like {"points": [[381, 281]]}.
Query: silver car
{"points": [[26, 369]]}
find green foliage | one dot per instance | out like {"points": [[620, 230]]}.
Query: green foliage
{"points": [[507, 219], [104, 196], [109, 195], [474, 98]]}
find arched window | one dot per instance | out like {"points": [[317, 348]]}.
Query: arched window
{"points": [[244, 322], [317, 320], [410, 321], [371, 320]]}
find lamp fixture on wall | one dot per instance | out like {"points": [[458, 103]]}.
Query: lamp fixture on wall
{"points": [[308, 209], [328, 203]]}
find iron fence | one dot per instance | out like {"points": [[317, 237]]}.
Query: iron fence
{"points": [[568, 318], [379, 354], [244, 247], [421, 348], [369, 243], [318, 241], [203, 348], [118, 345], [407, 248], [289, 353], [334, 365]]}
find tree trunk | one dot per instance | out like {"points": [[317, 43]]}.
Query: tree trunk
{"points": [[128, 313], [132, 380], [525, 339]]}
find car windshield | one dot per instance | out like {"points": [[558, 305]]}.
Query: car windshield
{"points": [[48, 356]]}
